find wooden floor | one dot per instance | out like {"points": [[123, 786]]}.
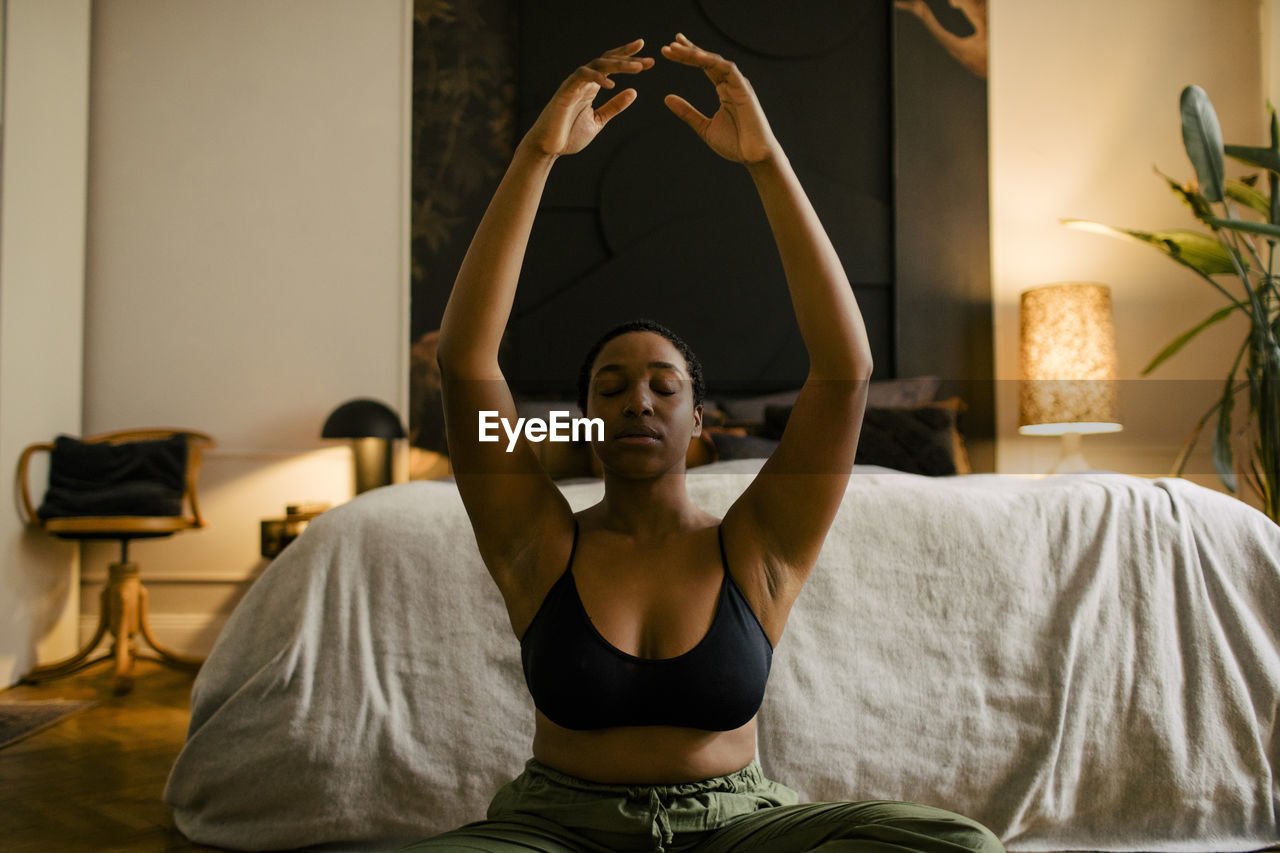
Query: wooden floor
{"points": [[92, 782]]}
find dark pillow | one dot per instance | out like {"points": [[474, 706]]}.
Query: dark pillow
{"points": [[917, 440], [132, 478], [882, 393]]}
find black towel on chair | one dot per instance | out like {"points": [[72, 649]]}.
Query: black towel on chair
{"points": [[132, 478]]}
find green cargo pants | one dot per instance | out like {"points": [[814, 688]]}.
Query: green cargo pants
{"points": [[548, 811]]}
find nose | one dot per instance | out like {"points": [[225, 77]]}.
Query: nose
{"points": [[639, 400]]}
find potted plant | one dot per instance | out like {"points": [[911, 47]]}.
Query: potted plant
{"points": [[1237, 259]]}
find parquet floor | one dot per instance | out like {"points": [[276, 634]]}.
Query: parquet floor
{"points": [[93, 781]]}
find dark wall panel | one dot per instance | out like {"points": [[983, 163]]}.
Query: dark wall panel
{"points": [[680, 235]]}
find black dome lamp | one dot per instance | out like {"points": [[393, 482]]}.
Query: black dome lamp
{"points": [[372, 426]]}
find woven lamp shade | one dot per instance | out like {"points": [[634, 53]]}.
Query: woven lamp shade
{"points": [[1068, 360]]}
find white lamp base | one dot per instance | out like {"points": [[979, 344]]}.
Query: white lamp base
{"points": [[1072, 460]]}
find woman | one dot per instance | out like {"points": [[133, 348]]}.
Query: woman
{"points": [[645, 733]]}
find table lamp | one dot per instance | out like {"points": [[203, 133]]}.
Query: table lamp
{"points": [[1068, 367], [372, 426]]}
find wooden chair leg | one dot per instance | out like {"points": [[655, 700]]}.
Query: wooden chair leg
{"points": [[166, 656], [124, 621], [123, 611], [80, 659]]}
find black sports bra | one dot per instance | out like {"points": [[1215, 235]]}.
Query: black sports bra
{"points": [[579, 680]]}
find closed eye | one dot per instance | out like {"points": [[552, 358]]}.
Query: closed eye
{"points": [[666, 387]]}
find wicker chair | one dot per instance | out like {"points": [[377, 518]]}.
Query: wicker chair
{"points": [[124, 600]]}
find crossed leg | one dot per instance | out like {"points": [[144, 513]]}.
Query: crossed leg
{"points": [[528, 834], [876, 826]]}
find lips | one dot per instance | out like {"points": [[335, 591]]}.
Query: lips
{"points": [[638, 432]]}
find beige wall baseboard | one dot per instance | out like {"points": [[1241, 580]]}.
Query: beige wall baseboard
{"points": [[185, 633], [99, 580]]}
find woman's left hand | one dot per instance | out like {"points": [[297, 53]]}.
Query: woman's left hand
{"points": [[739, 130]]}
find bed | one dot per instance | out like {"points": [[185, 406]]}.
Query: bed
{"points": [[1082, 662]]}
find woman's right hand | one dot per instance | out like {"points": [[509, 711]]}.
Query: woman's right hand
{"points": [[569, 122]]}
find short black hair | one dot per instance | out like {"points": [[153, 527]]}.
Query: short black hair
{"points": [[691, 361]]}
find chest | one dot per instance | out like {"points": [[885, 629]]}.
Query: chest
{"points": [[650, 605]]}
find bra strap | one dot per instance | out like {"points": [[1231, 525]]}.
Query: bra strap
{"points": [[724, 559], [574, 547]]}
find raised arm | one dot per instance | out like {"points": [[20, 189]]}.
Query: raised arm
{"points": [[791, 504], [507, 493]]}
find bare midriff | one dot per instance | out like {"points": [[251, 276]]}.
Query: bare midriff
{"points": [[643, 755]]}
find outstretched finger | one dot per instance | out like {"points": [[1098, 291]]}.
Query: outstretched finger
{"points": [[621, 64], [628, 49], [687, 53], [585, 75], [687, 113], [615, 105]]}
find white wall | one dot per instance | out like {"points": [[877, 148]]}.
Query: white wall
{"points": [[45, 93], [247, 259], [1083, 104]]}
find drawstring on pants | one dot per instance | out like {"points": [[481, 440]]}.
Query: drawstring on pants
{"points": [[661, 823]]}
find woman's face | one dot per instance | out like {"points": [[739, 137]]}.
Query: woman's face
{"points": [[640, 388]]}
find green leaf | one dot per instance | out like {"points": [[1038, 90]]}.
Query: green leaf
{"points": [[1273, 183], [1201, 252], [1221, 452], [1202, 137], [1248, 196], [1199, 206], [1267, 158], [1181, 341], [1266, 229], [1180, 461]]}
